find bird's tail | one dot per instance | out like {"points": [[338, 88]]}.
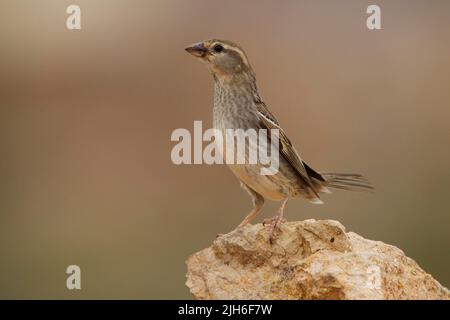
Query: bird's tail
{"points": [[347, 181]]}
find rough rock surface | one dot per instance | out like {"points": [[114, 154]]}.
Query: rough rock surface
{"points": [[309, 260]]}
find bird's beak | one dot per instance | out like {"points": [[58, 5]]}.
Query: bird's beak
{"points": [[197, 50]]}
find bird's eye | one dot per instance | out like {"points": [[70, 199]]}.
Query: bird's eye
{"points": [[218, 48]]}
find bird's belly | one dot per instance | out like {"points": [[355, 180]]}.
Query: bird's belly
{"points": [[274, 187], [271, 187]]}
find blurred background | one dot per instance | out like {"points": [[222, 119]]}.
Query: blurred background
{"points": [[86, 117]]}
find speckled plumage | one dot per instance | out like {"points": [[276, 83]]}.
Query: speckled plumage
{"points": [[238, 105], [235, 108]]}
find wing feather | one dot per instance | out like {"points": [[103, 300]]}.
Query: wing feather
{"points": [[268, 121]]}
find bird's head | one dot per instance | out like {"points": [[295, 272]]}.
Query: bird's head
{"points": [[225, 59]]}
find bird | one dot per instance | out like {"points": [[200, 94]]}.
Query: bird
{"points": [[238, 105]]}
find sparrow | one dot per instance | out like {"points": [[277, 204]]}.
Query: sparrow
{"points": [[238, 105]]}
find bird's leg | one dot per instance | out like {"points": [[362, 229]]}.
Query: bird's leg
{"points": [[277, 220], [258, 202]]}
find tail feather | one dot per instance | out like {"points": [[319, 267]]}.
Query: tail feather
{"points": [[347, 181]]}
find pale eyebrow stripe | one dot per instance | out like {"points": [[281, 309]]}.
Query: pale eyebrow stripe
{"points": [[239, 51]]}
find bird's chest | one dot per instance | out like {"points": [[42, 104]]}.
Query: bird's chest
{"points": [[233, 110]]}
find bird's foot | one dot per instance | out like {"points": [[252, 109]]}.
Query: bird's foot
{"points": [[274, 220], [275, 223], [237, 229]]}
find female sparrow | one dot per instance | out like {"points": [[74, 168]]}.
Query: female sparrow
{"points": [[238, 105]]}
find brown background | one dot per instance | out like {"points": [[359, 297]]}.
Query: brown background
{"points": [[86, 118]]}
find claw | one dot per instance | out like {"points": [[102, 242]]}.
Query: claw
{"points": [[275, 221], [275, 226]]}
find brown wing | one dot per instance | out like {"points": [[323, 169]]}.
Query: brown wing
{"points": [[268, 121]]}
